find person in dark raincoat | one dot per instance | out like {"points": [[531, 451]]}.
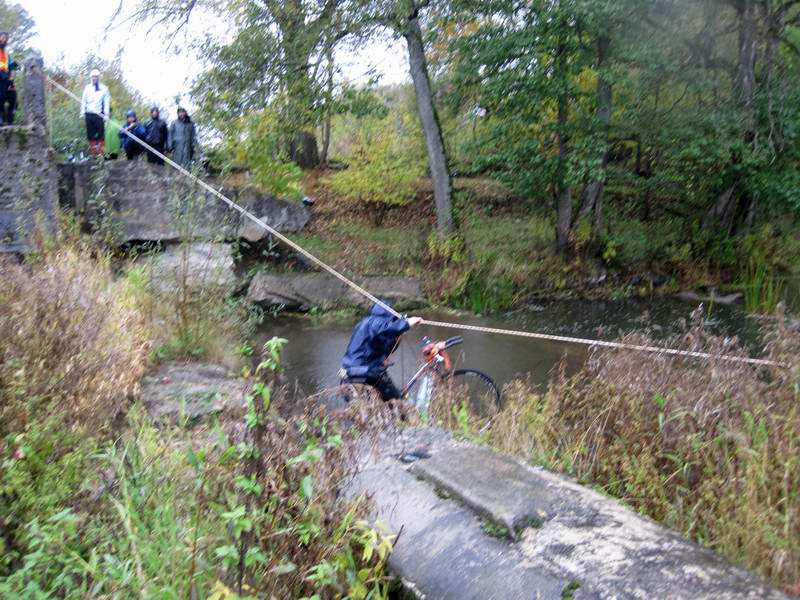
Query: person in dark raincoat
{"points": [[372, 342], [183, 140], [156, 135], [132, 148]]}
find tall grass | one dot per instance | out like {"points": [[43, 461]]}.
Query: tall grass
{"points": [[709, 448], [69, 340], [763, 290]]}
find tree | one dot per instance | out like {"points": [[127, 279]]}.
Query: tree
{"points": [[18, 23], [403, 18], [761, 27], [523, 65], [275, 56]]}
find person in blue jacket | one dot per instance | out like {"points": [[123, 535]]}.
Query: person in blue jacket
{"points": [[373, 340], [132, 148]]}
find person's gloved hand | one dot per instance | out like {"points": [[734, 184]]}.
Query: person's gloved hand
{"points": [[412, 321]]}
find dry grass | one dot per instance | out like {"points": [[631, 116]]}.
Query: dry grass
{"points": [[69, 341], [709, 448]]}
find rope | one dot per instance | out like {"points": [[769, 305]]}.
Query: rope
{"points": [[617, 345], [489, 330]]}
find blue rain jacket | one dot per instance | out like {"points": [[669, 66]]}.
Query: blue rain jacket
{"points": [[126, 140], [372, 342]]}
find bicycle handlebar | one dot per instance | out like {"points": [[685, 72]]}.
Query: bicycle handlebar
{"points": [[454, 341]]}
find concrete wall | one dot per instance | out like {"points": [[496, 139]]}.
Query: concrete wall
{"points": [[143, 202], [28, 174]]}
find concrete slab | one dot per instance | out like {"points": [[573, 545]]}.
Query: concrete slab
{"points": [[570, 532], [494, 486], [192, 391], [441, 552]]}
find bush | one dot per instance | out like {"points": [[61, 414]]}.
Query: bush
{"points": [[69, 342], [72, 351], [165, 513], [387, 160], [707, 447], [257, 142]]}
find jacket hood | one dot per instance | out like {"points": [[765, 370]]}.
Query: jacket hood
{"points": [[379, 311]]}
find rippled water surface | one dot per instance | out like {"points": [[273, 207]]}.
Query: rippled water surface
{"points": [[316, 345]]}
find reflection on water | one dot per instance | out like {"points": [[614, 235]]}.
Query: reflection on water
{"points": [[316, 346]]}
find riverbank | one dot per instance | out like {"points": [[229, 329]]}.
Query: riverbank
{"points": [[505, 255], [104, 492]]}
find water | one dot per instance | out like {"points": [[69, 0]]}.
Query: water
{"points": [[316, 345]]}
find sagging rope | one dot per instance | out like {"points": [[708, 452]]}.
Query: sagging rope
{"points": [[480, 329]]}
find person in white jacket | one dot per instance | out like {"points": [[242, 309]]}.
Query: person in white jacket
{"points": [[95, 105]]}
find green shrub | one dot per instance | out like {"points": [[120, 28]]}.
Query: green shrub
{"points": [[257, 143], [484, 292], [385, 164]]}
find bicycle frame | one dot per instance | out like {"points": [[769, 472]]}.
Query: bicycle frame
{"points": [[435, 358]]}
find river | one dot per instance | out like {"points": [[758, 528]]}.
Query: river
{"points": [[316, 344]]}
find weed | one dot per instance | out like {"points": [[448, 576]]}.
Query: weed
{"points": [[68, 339], [763, 291], [496, 531], [568, 593]]}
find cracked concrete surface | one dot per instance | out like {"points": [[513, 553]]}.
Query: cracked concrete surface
{"points": [[567, 540]]}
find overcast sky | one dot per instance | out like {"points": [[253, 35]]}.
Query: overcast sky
{"points": [[70, 29]]}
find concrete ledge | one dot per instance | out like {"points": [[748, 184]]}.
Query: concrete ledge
{"points": [[571, 541], [442, 552], [302, 291], [500, 488]]}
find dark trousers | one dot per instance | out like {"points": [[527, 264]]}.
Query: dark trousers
{"points": [[11, 105], [152, 158], [383, 383], [4, 97], [133, 151], [95, 128]]}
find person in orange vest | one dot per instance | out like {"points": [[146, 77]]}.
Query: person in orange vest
{"points": [[7, 91], [95, 108]]}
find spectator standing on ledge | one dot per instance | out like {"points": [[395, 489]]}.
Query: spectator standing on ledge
{"points": [[112, 138], [95, 105], [8, 92], [132, 148], [183, 140], [156, 136]]}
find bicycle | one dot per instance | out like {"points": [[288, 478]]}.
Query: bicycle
{"points": [[437, 372], [436, 375]]}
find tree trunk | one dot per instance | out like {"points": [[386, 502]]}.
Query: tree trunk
{"points": [[326, 141], [303, 150], [326, 126], [563, 192], [746, 70], [437, 157], [564, 206], [733, 206], [593, 194]]}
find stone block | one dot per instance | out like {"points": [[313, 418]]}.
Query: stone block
{"points": [[302, 291]]}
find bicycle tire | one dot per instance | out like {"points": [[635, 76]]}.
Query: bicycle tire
{"points": [[484, 398]]}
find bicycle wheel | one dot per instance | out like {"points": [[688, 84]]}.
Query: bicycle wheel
{"points": [[478, 389]]}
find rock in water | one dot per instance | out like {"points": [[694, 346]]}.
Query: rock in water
{"points": [[306, 290]]}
